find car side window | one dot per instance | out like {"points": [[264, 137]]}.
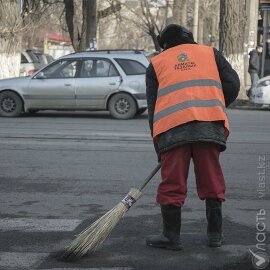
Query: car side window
{"points": [[97, 68], [87, 69], [61, 69], [131, 67]]}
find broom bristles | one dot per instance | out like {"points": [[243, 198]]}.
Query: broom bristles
{"points": [[93, 236]]}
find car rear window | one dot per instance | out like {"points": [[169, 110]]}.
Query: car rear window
{"points": [[23, 59], [131, 67], [34, 58]]}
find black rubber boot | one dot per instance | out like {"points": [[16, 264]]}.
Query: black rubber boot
{"points": [[170, 238], [214, 219]]}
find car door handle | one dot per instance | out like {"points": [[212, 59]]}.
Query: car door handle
{"points": [[67, 84], [112, 83]]}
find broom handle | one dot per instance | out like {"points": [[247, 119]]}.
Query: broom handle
{"points": [[151, 175]]}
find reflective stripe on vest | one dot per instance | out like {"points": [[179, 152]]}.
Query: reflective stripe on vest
{"points": [[189, 88]]}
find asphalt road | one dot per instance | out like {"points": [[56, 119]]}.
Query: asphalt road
{"points": [[59, 172]]}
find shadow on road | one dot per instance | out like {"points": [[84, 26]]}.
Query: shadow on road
{"points": [[126, 248], [81, 114]]}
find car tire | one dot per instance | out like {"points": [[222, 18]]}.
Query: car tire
{"points": [[11, 104], [141, 111], [122, 106]]}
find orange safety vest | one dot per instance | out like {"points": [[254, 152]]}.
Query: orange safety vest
{"points": [[189, 88]]}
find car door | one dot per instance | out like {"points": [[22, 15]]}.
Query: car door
{"points": [[98, 78], [54, 86], [135, 74]]}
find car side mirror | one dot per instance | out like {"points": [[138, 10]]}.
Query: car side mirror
{"points": [[40, 75]]}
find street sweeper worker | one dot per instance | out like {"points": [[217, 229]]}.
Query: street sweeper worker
{"points": [[188, 88]]}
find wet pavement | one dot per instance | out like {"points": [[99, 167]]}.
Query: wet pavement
{"points": [[59, 172]]}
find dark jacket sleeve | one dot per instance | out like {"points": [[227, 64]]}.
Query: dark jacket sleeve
{"points": [[229, 78], [151, 93]]}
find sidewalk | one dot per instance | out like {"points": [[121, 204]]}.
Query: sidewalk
{"points": [[245, 105]]}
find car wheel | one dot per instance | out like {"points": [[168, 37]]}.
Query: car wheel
{"points": [[141, 111], [122, 106], [10, 104]]}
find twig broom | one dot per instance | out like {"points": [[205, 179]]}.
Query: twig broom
{"points": [[97, 232]]}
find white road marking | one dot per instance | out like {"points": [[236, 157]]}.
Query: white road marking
{"points": [[101, 268], [89, 135], [11, 260], [31, 260], [38, 225]]}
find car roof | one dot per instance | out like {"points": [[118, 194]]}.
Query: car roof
{"points": [[129, 54]]}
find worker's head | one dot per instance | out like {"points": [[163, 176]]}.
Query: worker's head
{"points": [[173, 35], [259, 49]]}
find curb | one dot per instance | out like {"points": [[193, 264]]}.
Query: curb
{"points": [[246, 105]]}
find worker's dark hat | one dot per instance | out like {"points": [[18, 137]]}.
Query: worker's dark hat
{"points": [[174, 33]]}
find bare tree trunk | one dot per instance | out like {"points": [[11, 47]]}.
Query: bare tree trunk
{"points": [[69, 8], [154, 38], [180, 12], [82, 25], [200, 29], [91, 26], [232, 33], [177, 11], [76, 29], [10, 57], [10, 39], [195, 20], [214, 36], [184, 13]]}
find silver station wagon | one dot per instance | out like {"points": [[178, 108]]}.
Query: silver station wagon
{"points": [[92, 80]]}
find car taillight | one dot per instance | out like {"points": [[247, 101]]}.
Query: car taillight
{"points": [[31, 71]]}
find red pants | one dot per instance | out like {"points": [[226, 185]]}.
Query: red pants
{"points": [[174, 172]]}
